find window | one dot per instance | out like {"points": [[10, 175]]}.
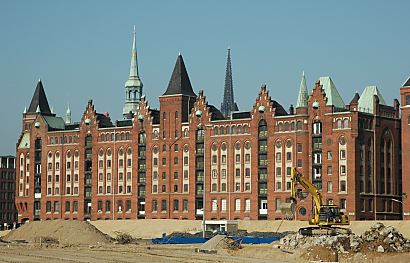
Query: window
{"points": [[176, 147], [163, 205], [56, 207], [278, 157], [121, 163], [128, 176], [247, 186], [48, 207], [278, 203], [288, 186], [175, 188], [247, 172], [185, 205], [278, 186], [223, 187], [299, 163], [120, 176], [247, 158], [108, 189], [237, 172], [76, 190], [185, 187], [223, 205], [185, 174], [329, 187], [288, 171], [223, 173], [342, 204], [175, 160], [155, 188], [238, 158], [223, 159], [214, 159], [214, 174], [339, 124], [154, 205], [238, 187], [164, 188], [342, 186], [164, 175], [164, 161], [329, 170], [247, 205], [299, 147], [288, 156], [278, 171], [342, 154], [176, 204], [176, 176], [345, 123], [342, 170], [329, 155], [317, 128], [237, 204], [186, 160], [214, 205]]}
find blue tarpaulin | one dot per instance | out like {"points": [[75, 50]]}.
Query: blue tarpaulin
{"points": [[196, 240]]}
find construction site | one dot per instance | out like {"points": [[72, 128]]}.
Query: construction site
{"points": [[133, 241]]}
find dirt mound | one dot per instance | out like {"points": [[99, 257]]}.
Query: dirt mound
{"points": [[219, 242], [67, 232]]}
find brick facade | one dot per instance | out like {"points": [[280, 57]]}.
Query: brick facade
{"points": [[154, 165]]}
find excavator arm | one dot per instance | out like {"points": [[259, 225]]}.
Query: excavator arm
{"points": [[298, 178]]}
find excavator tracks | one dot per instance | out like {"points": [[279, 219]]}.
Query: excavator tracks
{"points": [[324, 231]]}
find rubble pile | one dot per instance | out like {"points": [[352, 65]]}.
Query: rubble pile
{"points": [[379, 238]]}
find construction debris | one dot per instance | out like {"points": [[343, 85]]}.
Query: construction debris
{"points": [[219, 242], [379, 238]]}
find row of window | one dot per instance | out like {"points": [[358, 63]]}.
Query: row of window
{"points": [[63, 139], [107, 137]]}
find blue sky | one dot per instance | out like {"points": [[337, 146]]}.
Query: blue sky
{"points": [[81, 50]]}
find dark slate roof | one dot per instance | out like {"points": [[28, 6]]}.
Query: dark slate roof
{"points": [[179, 82], [355, 98], [241, 115], [279, 110], [407, 83], [216, 114], [54, 123], [124, 123], [155, 116], [104, 121], [39, 100], [70, 127]]}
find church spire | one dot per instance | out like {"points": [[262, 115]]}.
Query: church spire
{"points": [[228, 104], [133, 86], [68, 115], [303, 94]]}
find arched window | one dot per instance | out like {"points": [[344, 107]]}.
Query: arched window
{"points": [[102, 137], [345, 123], [339, 123], [245, 129], [263, 129], [233, 129], [292, 126], [216, 131], [127, 136], [239, 129], [122, 136], [186, 133], [286, 126], [280, 127], [222, 130], [228, 130], [299, 125]]}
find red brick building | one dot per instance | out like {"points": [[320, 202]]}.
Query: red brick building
{"points": [[154, 163], [8, 211]]}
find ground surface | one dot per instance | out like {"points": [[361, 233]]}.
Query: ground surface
{"points": [[72, 243]]}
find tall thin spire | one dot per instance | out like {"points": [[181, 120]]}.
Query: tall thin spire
{"points": [[133, 86], [228, 104], [68, 115], [303, 93]]}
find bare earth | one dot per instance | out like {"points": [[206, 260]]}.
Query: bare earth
{"points": [[75, 239]]}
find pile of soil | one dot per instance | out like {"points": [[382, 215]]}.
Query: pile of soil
{"points": [[66, 232]]}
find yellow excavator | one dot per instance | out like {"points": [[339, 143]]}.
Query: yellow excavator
{"points": [[326, 218]]}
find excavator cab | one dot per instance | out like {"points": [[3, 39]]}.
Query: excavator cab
{"points": [[330, 215]]}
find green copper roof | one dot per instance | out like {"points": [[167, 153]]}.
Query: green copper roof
{"points": [[333, 96], [25, 141], [134, 79], [366, 99], [303, 94], [55, 123]]}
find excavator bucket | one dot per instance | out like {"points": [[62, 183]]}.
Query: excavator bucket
{"points": [[288, 210]]}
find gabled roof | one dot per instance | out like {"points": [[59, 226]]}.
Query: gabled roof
{"points": [[39, 103], [179, 84], [355, 98], [303, 96], [332, 95], [366, 100], [407, 83], [216, 114], [54, 123], [25, 141], [104, 121]]}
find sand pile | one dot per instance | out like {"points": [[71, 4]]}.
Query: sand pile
{"points": [[67, 232], [219, 242]]}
